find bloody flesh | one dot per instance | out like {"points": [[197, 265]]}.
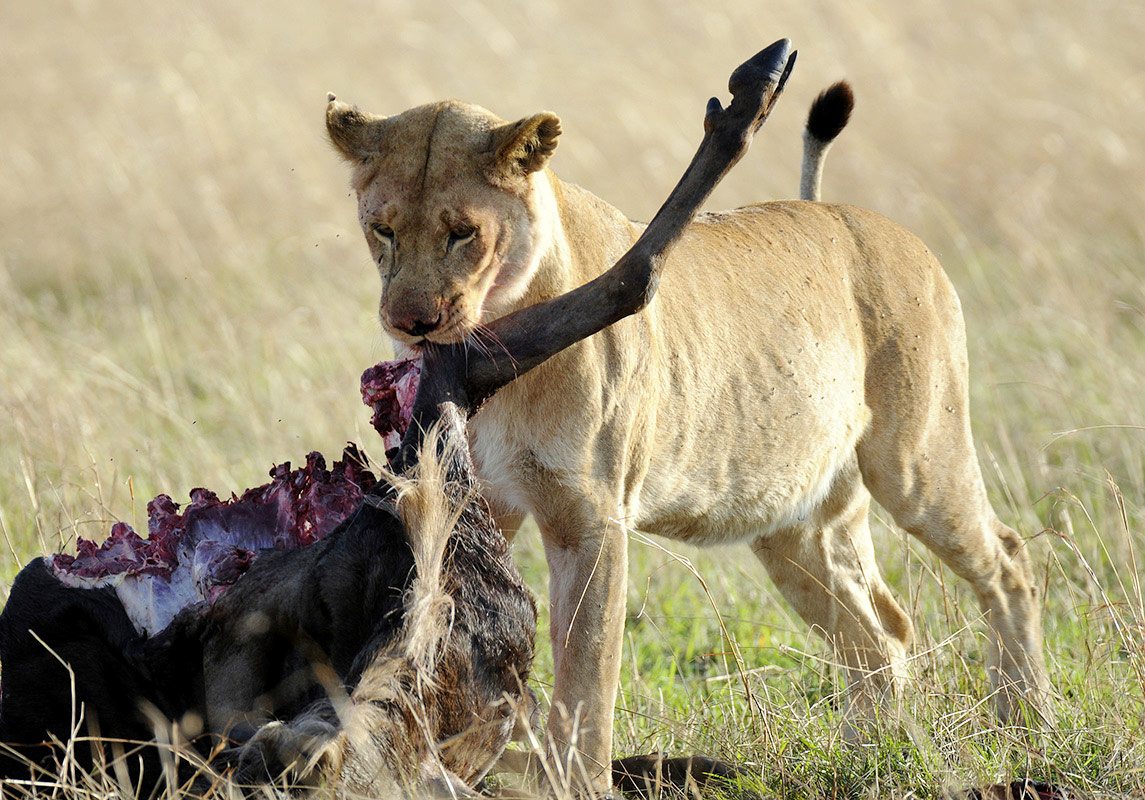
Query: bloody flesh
{"points": [[193, 555]]}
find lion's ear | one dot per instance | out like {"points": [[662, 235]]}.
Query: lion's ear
{"points": [[356, 134], [525, 146]]}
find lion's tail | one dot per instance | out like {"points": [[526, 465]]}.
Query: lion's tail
{"points": [[828, 116]]}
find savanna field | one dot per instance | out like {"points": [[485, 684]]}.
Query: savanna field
{"points": [[186, 299]]}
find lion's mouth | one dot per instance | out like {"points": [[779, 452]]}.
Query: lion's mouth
{"points": [[456, 326], [451, 334]]}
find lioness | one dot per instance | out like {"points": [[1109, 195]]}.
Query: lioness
{"points": [[799, 359]]}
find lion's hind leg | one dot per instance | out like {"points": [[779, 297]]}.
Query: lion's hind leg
{"points": [[964, 532], [825, 567], [918, 461]]}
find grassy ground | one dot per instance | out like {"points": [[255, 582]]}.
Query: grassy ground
{"points": [[184, 299]]}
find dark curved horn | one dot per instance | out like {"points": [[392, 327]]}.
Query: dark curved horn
{"points": [[460, 375]]}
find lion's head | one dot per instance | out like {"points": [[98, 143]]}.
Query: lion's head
{"points": [[448, 200]]}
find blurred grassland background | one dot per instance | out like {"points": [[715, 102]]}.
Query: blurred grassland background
{"points": [[185, 299]]}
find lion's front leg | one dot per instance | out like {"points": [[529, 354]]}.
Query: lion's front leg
{"points": [[588, 566]]}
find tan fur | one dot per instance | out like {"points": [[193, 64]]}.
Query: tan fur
{"points": [[799, 359]]}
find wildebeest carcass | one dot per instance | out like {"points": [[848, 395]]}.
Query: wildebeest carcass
{"points": [[386, 654], [407, 624]]}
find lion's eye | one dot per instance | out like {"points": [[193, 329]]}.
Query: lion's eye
{"points": [[460, 235], [383, 233]]}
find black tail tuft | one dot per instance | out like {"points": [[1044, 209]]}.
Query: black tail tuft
{"points": [[831, 111]]}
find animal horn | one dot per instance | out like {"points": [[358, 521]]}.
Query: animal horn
{"points": [[467, 378]]}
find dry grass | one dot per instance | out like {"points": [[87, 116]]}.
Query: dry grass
{"points": [[184, 299]]}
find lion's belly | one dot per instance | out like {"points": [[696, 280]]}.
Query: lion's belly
{"points": [[752, 451], [738, 500]]}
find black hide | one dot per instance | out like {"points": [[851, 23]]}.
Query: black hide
{"points": [[250, 657]]}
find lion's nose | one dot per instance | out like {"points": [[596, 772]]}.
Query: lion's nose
{"points": [[416, 326]]}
